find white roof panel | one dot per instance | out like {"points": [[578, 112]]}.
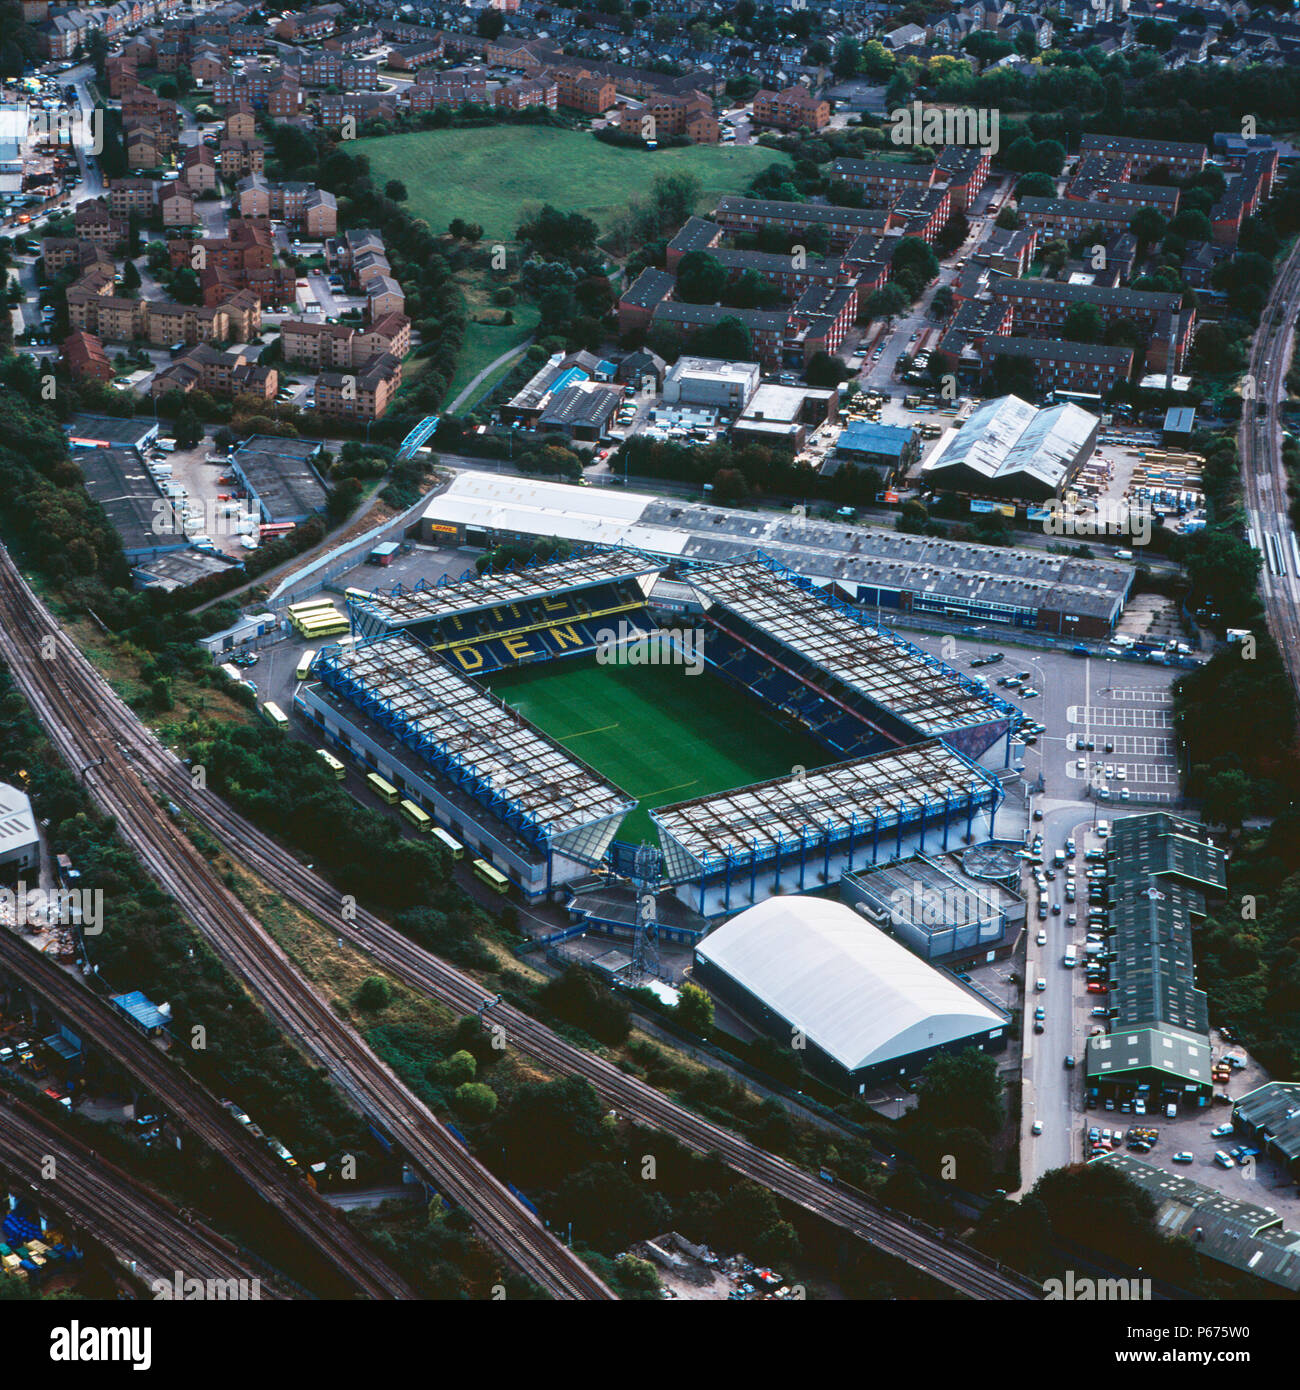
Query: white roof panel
{"points": [[852, 990]]}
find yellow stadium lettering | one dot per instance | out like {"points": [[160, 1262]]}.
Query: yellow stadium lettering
{"points": [[470, 659], [517, 647], [566, 636]]}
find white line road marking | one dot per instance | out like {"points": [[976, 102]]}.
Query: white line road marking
{"points": [[1119, 718], [1143, 697]]}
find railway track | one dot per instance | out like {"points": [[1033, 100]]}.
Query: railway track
{"points": [[143, 1231], [951, 1263], [311, 1219], [95, 734], [1264, 478]]}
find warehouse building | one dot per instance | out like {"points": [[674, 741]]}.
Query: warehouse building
{"points": [[1009, 449], [865, 1009], [148, 523], [20, 842], [280, 478], [711, 382], [873, 567], [1159, 870], [935, 910], [1236, 1233], [1270, 1115], [891, 448]]}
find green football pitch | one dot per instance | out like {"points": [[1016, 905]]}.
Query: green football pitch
{"points": [[660, 734]]}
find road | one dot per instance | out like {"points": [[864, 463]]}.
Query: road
{"points": [[143, 1231], [1263, 476]]}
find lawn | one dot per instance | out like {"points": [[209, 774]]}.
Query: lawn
{"points": [[657, 732], [489, 175], [485, 342]]}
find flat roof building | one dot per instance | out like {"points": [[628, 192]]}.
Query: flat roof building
{"points": [[148, 523], [20, 841], [875, 567]]}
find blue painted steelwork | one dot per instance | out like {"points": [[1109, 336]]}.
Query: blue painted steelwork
{"points": [[983, 792], [445, 762], [417, 436]]}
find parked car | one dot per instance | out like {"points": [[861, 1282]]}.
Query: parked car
{"points": [[1183, 1157]]}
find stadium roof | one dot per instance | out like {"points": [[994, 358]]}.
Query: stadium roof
{"points": [[754, 822], [1008, 441], [475, 738], [862, 998], [474, 592], [890, 673], [827, 551], [1236, 1233]]}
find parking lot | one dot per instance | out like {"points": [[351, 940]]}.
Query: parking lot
{"points": [[1107, 701], [1261, 1181]]}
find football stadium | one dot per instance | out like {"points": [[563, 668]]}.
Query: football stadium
{"points": [[758, 731]]}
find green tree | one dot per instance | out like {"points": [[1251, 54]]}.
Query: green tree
{"points": [[459, 1068], [372, 994], [489, 24], [1227, 798], [848, 59], [396, 190], [1083, 324], [701, 278], [694, 1009], [961, 1090], [475, 1100], [187, 429]]}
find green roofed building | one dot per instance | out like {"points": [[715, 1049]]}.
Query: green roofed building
{"points": [[1239, 1234], [1159, 869], [1270, 1114]]}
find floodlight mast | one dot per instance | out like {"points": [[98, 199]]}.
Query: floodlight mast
{"points": [[646, 880]]}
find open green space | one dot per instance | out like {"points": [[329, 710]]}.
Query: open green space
{"points": [[485, 342], [491, 174], [658, 732]]}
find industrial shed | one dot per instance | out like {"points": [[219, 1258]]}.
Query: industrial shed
{"points": [[869, 1009], [1011, 450]]}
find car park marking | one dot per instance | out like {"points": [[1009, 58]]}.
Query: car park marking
{"points": [[1144, 745], [1149, 697], [1119, 718]]}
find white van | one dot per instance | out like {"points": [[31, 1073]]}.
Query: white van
{"points": [[1071, 959]]}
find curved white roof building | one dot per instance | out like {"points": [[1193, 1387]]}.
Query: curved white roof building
{"points": [[869, 1008]]}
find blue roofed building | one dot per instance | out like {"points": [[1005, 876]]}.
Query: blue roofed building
{"points": [[887, 447], [147, 1016]]}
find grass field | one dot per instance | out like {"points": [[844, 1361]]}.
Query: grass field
{"points": [[491, 174], [655, 731]]}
